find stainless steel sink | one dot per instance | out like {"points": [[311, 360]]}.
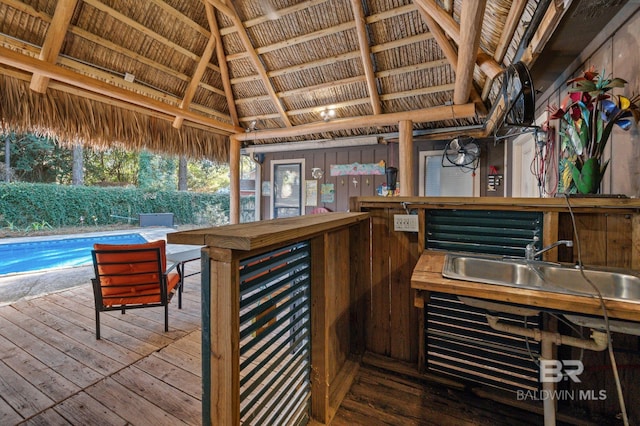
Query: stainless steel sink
{"points": [[614, 284]]}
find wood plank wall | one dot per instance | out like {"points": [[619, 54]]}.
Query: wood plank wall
{"points": [[392, 329]]}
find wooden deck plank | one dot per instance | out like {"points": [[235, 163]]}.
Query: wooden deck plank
{"points": [[129, 405], [189, 382], [160, 393], [76, 372], [74, 349], [82, 409], [49, 381], [47, 418], [25, 398], [8, 416]]}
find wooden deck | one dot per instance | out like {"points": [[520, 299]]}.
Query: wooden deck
{"points": [[54, 372]]}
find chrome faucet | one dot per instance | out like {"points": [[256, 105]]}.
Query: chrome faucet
{"points": [[530, 252]]}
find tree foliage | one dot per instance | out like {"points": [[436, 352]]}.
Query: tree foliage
{"points": [[45, 160]]}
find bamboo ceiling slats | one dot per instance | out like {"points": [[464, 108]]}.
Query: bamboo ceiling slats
{"points": [[223, 64]]}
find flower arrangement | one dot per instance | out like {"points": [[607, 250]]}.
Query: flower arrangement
{"points": [[588, 115]]}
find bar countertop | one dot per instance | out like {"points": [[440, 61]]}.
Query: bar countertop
{"points": [[255, 235]]}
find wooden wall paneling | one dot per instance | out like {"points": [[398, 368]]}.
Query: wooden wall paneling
{"points": [[360, 254], [338, 299], [593, 239], [635, 241], [331, 157], [367, 187], [342, 184], [550, 234], [377, 330], [403, 329], [354, 190], [619, 240], [319, 335]]}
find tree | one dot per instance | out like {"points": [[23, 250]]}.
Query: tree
{"points": [[111, 167], [35, 158], [77, 174], [182, 173]]}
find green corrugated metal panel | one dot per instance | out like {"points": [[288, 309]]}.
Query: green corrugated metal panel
{"points": [[275, 344], [493, 232], [460, 343]]}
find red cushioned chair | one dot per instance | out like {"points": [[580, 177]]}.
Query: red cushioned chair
{"points": [[133, 276]]}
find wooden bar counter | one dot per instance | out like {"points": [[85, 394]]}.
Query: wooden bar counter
{"points": [[334, 248]]}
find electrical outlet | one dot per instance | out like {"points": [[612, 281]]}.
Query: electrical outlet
{"points": [[405, 222]]}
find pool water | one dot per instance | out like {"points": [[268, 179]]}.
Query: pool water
{"points": [[56, 253]]}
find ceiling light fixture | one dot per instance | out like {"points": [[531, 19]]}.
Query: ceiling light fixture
{"points": [[327, 114], [252, 127]]}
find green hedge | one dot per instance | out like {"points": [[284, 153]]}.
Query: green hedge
{"points": [[24, 205]]}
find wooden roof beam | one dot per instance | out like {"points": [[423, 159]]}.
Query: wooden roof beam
{"points": [[365, 54], [510, 26], [222, 61], [452, 56], [54, 72], [490, 67], [197, 75], [253, 55], [53, 41], [439, 113], [471, 18]]}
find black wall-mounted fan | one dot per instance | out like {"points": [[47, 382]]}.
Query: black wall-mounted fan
{"points": [[519, 96], [461, 152]]}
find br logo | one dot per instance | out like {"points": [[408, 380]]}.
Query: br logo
{"points": [[554, 370]]}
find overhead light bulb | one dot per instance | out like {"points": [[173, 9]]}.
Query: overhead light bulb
{"points": [[327, 114]]}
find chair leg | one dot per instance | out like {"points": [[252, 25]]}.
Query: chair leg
{"points": [[166, 317], [97, 324]]}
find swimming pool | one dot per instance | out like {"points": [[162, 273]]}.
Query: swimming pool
{"points": [[41, 254]]}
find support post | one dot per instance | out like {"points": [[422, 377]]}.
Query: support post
{"points": [[234, 186], [405, 161]]}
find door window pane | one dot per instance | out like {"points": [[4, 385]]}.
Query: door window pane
{"points": [[287, 190], [446, 181]]}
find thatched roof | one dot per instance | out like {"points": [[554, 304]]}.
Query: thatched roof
{"points": [[102, 72]]}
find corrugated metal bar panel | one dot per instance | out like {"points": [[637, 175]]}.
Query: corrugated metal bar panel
{"points": [[275, 344], [495, 232], [460, 342]]}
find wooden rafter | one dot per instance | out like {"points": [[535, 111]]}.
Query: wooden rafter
{"points": [[18, 60], [365, 55], [451, 54], [222, 61], [489, 66], [53, 41], [83, 69], [471, 18], [543, 33], [510, 25], [195, 79], [253, 55], [439, 113]]}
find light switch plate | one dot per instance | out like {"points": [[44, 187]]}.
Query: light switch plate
{"points": [[405, 222]]}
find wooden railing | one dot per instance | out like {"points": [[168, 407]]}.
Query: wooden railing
{"points": [[315, 265]]}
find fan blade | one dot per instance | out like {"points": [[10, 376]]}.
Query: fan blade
{"points": [[472, 148], [454, 144], [460, 159]]}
